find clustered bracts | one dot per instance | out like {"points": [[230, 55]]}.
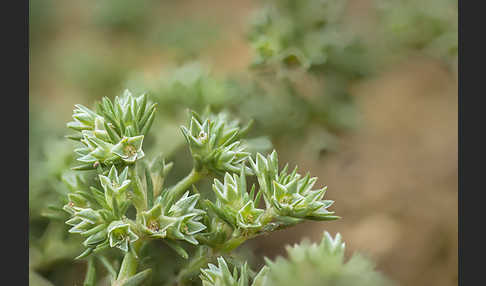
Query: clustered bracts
{"points": [[214, 143], [234, 204], [114, 133], [179, 221], [290, 194]]}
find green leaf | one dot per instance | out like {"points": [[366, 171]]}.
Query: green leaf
{"points": [[177, 248], [138, 278]]}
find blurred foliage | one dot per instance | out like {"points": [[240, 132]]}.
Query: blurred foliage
{"points": [[308, 34], [323, 264], [429, 26], [263, 100], [307, 264], [123, 16], [307, 42]]}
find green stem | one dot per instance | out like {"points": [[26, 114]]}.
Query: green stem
{"points": [[184, 184], [192, 268], [233, 243], [90, 273], [129, 264], [128, 267], [139, 199]]}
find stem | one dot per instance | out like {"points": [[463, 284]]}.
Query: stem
{"points": [[184, 184], [233, 243], [90, 273], [192, 268], [129, 265], [268, 215], [139, 199]]}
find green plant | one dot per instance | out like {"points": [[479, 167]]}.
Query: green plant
{"points": [[430, 27], [298, 44], [307, 264], [127, 205], [121, 171]]}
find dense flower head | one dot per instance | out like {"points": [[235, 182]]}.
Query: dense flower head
{"points": [[290, 194], [221, 275], [180, 221], [121, 235], [214, 142], [114, 133], [114, 185], [88, 223], [324, 262], [234, 204]]}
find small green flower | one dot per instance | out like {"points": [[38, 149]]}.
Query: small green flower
{"points": [[83, 219], [114, 133], [84, 118], [222, 276], [249, 216], [214, 143], [120, 235], [129, 149], [234, 204], [129, 116], [115, 185], [179, 221], [290, 194], [323, 263], [95, 149], [113, 182], [152, 223], [183, 219], [88, 223]]}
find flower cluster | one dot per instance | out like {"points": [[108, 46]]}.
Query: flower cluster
{"points": [[99, 215], [307, 265], [214, 142], [114, 133], [290, 194], [234, 204], [179, 221], [221, 275], [307, 34], [175, 215], [323, 263]]}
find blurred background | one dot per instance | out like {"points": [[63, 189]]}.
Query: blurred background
{"points": [[375, 118]]}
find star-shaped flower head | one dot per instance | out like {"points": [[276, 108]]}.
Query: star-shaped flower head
{"points": [[214, 142], [179, 221], [84, 118], [234, 204], [130, 116], [95, 149], [120, 235], [222, 276], [88, 223], [290, 194], [152, 222], [114, 133], [129, 149], [114, 185], [323, 263]]}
